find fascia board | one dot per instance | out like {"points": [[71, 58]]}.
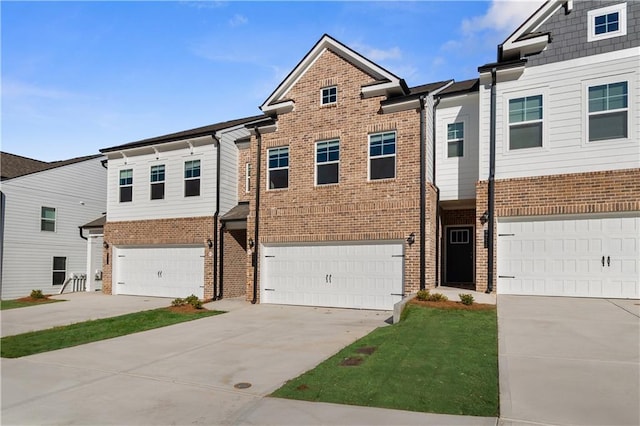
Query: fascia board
{"points": [[532, 24]]}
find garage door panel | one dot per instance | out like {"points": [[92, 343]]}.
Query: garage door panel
{"points": [[572, 264]]}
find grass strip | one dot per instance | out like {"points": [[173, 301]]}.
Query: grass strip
{"points": [[435, 360], [17, 303], [92, 331]]}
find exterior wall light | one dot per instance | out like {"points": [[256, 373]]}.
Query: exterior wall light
{"points": [[209, 243], [105, 245], [251, 243], [412, 238], [484, 218]]}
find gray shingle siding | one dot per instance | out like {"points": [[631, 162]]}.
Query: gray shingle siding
{"points": [[569, 33]]}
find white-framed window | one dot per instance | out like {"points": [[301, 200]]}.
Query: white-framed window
{"points": [[192, 178], [247, 177], [607, 22], [126, 185], [327, 162], [455, 140], [278, 167], [48, 219], [608, 111], [157, 182], [329, 95], [382, 156], [525, 122], [59, 270]]}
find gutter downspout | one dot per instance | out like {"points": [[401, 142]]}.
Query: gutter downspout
{"points": [[220, 287], [215, 222], [437, 269], [423, 196], [82, 236], [492, 175], [256, 233]]}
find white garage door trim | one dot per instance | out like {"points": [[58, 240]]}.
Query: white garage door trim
{"points": [[367, 275], [165, 271], [577, 256]]}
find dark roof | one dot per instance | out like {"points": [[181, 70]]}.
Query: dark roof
{"points": [[533, 35], [239, 212], [185, 134], [459, 87], [97, 223], [415, 92], [12, 165], [502, 65]]}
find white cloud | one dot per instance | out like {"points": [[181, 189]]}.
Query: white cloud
{"points": [[503, 16], [238, 20]]}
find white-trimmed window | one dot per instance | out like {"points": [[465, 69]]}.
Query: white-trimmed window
{"points": [[247, 177], [327, 162], [329, 95], [382, 156], [608, 111], [126, 185], [59, 270], [278, 167], [455, 140], [157, 182], [607, 22], [48, 219], [525, 122], [192, 178]]}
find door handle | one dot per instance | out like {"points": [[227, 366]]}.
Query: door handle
{"points": [[603, 261], [609, 261]]}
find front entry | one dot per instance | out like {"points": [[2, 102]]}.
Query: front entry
{"points": [[459, 255]]}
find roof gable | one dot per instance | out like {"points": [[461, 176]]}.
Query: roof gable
{"points": [[386, 83], [526, 39], [12, 166]]}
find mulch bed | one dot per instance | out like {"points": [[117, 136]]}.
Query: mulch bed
{"points": [[30, 299], [186, 309], [451, 304]]}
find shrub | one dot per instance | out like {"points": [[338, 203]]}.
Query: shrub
{"points": [[423, 295], [178, 302], [437, 297], [190, 300], [466, 299], [37, 294]]}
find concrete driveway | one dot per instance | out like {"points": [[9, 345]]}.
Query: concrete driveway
{"points": [[569, 361], [186, 373]]}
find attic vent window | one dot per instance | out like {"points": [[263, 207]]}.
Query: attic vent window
{"points": [[329, 95], [607, 22]]}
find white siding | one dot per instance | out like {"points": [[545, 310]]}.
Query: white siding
{"points": [[174, 204], [565, 146], [428, 129], [77, 192], [229, 168], [456, 177]]}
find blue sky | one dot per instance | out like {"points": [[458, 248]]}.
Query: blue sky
{"points": [[80, 76]]}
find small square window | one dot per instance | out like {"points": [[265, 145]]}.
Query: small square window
{"points": [[157, 182], [278, 168], [126, 185], [48, 219], [59, 270], [382, 156], [525, 122], [329, 95], [607, 22], [455, 140], [192, 178]]}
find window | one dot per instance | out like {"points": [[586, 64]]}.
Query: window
{"points": [[157, 182], [59, 270], [382, 156], [192, 178], [48, 219], [607, 22], [455, 140], [327, 162], [329, 95], [247, 177], [279, 168], [608, 109], [126, 185], [459, 236], [525, 122]]}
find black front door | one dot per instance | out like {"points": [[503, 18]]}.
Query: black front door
{"points": [[459, 255]]}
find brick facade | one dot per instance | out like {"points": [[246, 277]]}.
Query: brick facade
{"points": [[185, 231], [235, 251], [355, 209], [570, 194]]}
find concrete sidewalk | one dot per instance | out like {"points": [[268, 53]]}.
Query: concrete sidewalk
{"points": [[186, 373]]}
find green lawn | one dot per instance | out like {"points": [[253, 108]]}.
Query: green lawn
{"points": [[12, 304], [92, 331], [434, 360]]}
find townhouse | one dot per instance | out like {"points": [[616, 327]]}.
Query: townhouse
{"points": [[353, 189]]}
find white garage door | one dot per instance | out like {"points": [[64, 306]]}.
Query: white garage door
{"points": [[365, 276], [161, 272], [579, 257]]}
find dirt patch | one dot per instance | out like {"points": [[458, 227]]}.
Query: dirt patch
{"points": [[186, 309], [302, 387], [30, 299], [451, 304], [351, 361], [367, 350]]}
